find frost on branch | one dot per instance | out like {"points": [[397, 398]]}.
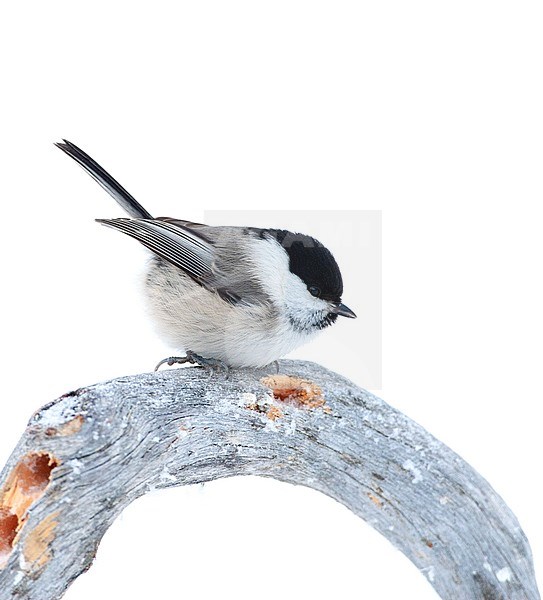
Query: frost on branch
{"points": [[83, 458]]}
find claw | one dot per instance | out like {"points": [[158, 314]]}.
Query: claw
{"points": [[173, 360], [212, 365]]}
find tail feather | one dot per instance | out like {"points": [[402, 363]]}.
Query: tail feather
{"points": [[101, 176]]}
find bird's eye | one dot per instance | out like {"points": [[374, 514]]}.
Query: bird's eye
{"points": [[314, 290]]}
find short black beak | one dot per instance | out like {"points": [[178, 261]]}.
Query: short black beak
{"points": [[344, 311]]}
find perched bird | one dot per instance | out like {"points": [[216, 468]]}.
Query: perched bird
{"points": [[227, 296]]}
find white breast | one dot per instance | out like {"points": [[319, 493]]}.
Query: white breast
{"points": [[189, 317]]}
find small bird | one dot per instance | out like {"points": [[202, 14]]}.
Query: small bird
{"points": [[227, 296]]}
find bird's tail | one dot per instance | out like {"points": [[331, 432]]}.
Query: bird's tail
{"points": [[100, 175]]}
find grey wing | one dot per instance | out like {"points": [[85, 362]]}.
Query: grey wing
{"points": [[177, 245], [197, 250]]}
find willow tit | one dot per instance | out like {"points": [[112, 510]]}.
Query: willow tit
{"points": [[229, 296]]}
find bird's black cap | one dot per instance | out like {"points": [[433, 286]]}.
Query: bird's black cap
{"points": [[312, 262]]}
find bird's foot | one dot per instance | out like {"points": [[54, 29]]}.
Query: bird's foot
{"points": [[173, 360], [212, 365]]}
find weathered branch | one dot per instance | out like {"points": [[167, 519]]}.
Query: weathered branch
{"points": [[86, 456]]}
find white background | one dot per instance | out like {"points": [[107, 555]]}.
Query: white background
{"points": [[428, 111]]}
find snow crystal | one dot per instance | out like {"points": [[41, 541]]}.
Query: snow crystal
{"points": [[504, 574], [18, 577], [76, 466], [166, 475], [409, 465], [292, 427], [270, 426], [56, 414], [246, 398]]}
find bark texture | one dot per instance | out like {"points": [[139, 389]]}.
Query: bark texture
{"points": [[87, 455]]}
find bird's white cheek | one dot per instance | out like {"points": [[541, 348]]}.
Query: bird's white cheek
{"points": [[287, 291], [270, 268], [297, 298]]}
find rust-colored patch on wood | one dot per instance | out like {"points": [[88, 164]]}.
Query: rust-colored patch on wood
{"points": [[71, 427], [8, 529], [274, 413], [24, 486], [378, 502], [36, 549], [294, 390]]}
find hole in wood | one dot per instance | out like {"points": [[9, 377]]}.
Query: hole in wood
{"points": [[24, 486], [294, 390], [8, 529], [33, 472]]}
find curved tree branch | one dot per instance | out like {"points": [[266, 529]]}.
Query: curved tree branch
{"points": [[86, 456]]}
